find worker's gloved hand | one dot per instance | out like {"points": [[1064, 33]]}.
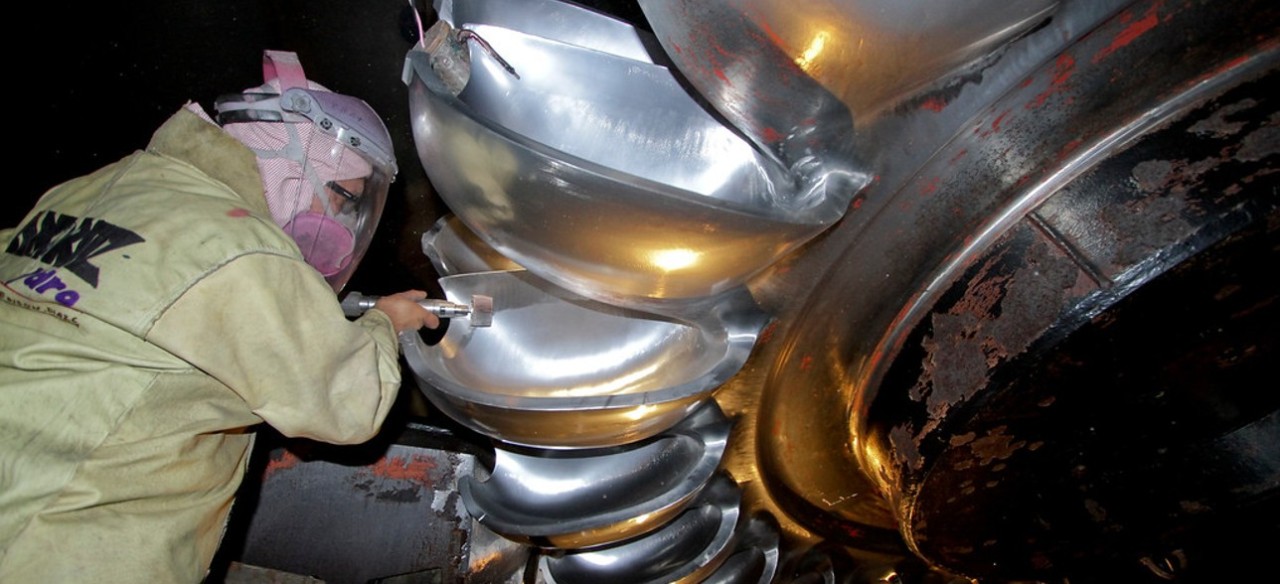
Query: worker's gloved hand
{"points": [[405, 312]]}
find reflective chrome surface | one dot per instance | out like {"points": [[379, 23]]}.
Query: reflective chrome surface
{"points": [[556, 370], [601, 173], [686, 550], [583, 498], [756, 558], [454, 249], [560, 21], [766, 64]]}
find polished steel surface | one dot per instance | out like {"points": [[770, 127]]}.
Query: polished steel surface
{"points": [[764, 64], [564, 22], [455, 249], [584, 498], [685, 550], [556, 370], [756, 558], [617, 184]]}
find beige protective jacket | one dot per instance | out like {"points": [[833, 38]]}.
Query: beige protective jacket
{"points": [[150, 314]]}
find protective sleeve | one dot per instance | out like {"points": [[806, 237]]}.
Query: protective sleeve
{"points": [[269, 328]]}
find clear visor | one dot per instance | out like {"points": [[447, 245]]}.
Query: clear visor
{"points": [[336, 206], [332, 207]]}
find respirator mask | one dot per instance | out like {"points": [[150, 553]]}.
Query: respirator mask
{"points": [[326, 161]]}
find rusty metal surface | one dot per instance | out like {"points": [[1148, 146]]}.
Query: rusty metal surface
{"points": [[381, 512], [1008, 238]]}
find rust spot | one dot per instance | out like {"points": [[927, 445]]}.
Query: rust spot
{"points": [[995, 446], [1217, 125], [1132, 30], [1095, 510], [904, 447], [962, 439], [1259, 144]]}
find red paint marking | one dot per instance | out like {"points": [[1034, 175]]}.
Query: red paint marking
{"points": [[934, 104], [1069, 148], [959, 155], [1063, 69], [857, 203], [771, 135], [930, 187], [1131, 32], [773, 36], [720, 75], [767, 333], [806, 363], [417, 469], [995, 124], [238, 213], [286, 461], [1026, 82]]}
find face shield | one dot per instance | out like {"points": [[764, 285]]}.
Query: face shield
{"points": [[326, 162]]}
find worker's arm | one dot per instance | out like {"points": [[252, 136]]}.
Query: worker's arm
{"points": [[271, 330]]}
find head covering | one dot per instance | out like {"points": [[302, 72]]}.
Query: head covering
{"points": [[326, 162]]}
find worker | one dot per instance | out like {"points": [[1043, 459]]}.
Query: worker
{"points": [[153, 312]]}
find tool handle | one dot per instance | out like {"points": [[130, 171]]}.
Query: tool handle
{"points": [[355, 304]]}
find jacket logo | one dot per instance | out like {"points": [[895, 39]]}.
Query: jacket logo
{"points": [[64, 241]]}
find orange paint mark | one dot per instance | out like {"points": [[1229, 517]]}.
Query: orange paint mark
{"points": [[934, 104], [285, 460], [1131, 32], [416, 468]]}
